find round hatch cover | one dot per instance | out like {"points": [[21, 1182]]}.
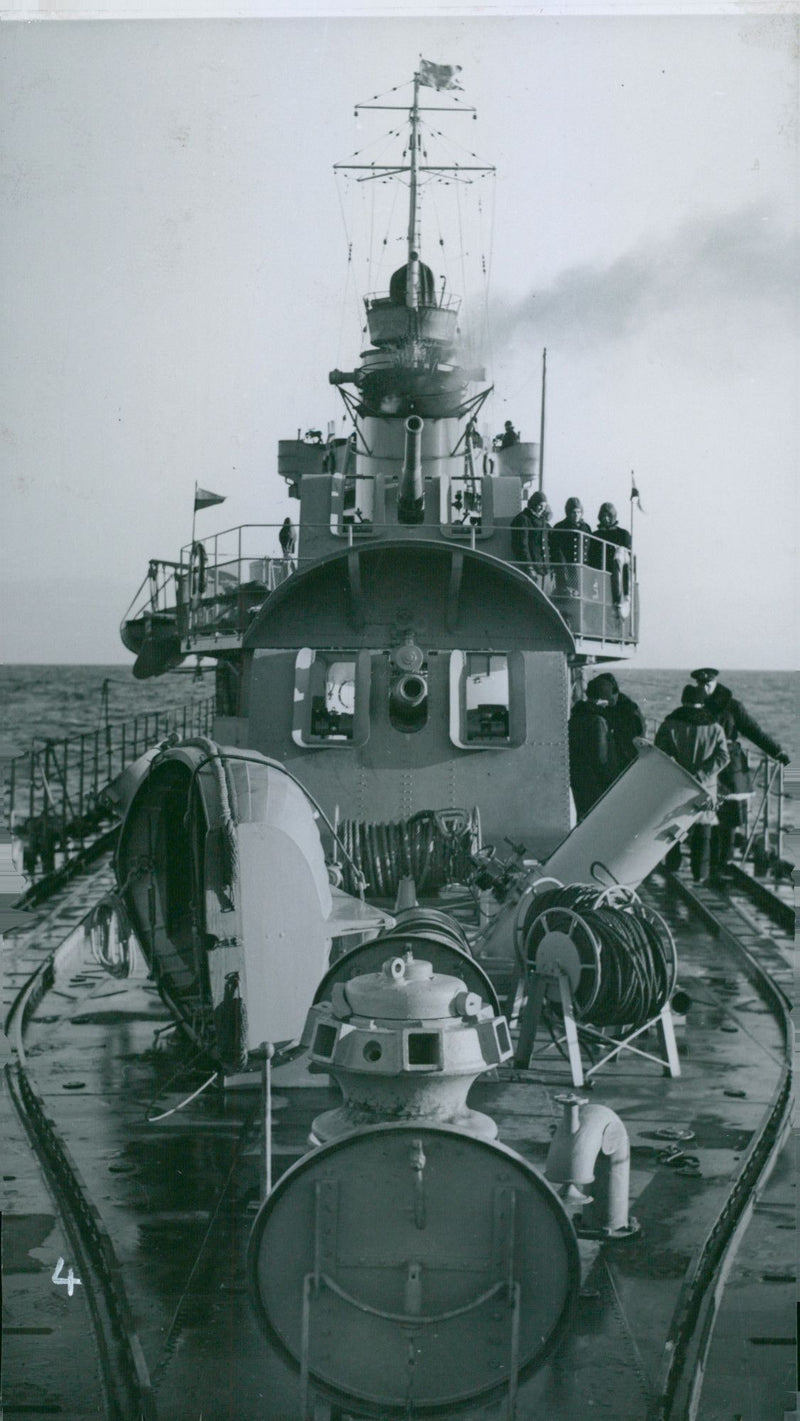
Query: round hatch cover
{"points": [[408, 1255], [445, 958]]}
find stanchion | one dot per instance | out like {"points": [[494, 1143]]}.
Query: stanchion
{"points": [[266, 1051], [553, 978]]}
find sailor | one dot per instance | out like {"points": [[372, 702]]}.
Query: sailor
{"points": [[530, 537], [594, 758], [608, 536], [735, 783], [568, 548], [288, 542], [691, 736], [622, 713], [508, 438]]}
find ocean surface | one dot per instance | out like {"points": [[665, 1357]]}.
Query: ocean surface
{"points": [[40, 702], [771, 697], [58, 701]]}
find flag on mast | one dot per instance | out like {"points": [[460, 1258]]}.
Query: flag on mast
{"points": [[439, 76], [203, 498], [635, 493]]}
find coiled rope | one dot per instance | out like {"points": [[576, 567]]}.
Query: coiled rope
{"points": [[628, 963], [110, 934], [432, 847]]}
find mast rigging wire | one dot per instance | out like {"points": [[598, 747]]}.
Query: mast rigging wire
{"points": [[350, 275], [467, 321]]}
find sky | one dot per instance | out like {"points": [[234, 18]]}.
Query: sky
{"points": [[175, 288]]}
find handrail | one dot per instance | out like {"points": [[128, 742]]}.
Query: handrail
{"points": [[767, 822], [584, 595], [587, 540], [448, 302], [54, 792]]}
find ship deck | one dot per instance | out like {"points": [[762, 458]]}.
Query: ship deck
{"points": [[177, 1196]]}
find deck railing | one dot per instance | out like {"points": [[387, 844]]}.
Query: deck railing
{"points": [[214, 595], [54, 791], [760, 843], [763, 842]]}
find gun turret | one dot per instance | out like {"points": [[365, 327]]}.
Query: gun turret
{"points": [[410, 490]]}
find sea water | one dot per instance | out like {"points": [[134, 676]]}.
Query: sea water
{"points": [[55, 702], [58, 701]]}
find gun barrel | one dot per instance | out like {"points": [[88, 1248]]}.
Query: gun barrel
{"points": [[410, 490]]}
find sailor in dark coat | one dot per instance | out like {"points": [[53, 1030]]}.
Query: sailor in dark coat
{"points": [[608, 536], [623, 715], [530, 536], [735, 782], [594, 758], [569, 548], [691, 736]]}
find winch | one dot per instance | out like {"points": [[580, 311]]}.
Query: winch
{"points": [[405, 1043]]}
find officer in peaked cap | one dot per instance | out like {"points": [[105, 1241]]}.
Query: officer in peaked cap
{"points": [[735, 781]]}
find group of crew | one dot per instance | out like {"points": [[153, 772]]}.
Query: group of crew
{"points": [[539, 548], [701, 734]]}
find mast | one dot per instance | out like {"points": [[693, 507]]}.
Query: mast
{"points": [[541, 420], [412, 281]]}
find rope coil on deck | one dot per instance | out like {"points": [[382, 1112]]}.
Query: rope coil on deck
{"points": [[622, 955], [110, 934], [432, 847]]}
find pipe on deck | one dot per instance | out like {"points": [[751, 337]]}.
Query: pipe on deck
{"points": [[591, 1146]]}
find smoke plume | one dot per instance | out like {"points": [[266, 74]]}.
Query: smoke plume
{"points": [[739, 263]]}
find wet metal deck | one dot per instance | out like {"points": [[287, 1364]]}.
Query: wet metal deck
{"points": [[177, 1197]]}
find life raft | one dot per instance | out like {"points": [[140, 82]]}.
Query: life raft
{"points": [[621, 582]]}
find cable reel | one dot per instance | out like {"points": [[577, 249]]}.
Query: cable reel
{"points": [[560, 939], [618, 956]]}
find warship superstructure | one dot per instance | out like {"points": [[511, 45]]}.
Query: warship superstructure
{"points": [[366, 889]]}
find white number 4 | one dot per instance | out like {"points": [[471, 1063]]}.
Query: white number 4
{"points": [[70, 1282]]}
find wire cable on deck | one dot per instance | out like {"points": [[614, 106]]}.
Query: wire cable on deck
{"points": [[151, 1119], [627, 953]]}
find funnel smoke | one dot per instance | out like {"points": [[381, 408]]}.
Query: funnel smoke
{"points": [[738, 260]]}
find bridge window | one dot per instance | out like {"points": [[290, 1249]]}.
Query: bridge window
{"points": [[486, 697], [487, 700], [331, 698]]}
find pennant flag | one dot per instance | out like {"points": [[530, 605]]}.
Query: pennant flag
{"points": [[635, 493], [204, 499], [439, 76]]}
